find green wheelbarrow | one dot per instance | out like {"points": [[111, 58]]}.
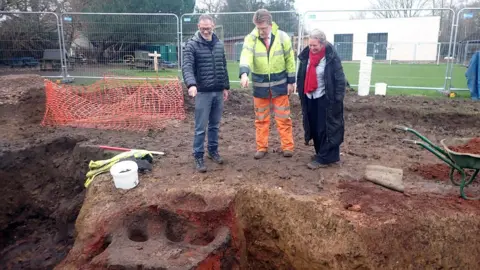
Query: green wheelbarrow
{"points": [[457, 161]]}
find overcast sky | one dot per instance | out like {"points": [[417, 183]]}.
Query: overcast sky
{"points": [[305, 5]]}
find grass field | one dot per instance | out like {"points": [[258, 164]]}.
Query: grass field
{"points": [[414, 75]]}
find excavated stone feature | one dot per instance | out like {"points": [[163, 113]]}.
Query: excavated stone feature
{"points": [[201, 226], [159, 239], [151, 227]]}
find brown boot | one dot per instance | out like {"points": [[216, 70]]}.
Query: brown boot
{"points": [[260, 154]]}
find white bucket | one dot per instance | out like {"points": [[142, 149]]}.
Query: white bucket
{"points": [[381, 89], [125, 174]]}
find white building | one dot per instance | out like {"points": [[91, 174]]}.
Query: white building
{"points": [[396, 39]]}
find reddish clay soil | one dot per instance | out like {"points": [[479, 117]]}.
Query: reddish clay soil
{"points": [[432, 171], [472, 147], [42, 169], [439, 172], [377, 201]]}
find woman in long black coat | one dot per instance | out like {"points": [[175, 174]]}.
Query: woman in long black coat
{"points": [[321, 88]]}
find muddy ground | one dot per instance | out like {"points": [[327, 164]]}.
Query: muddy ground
{"points": [[42, 168]]}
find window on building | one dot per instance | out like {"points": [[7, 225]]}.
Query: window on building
{"points": [[377, 45], [344, 46]]}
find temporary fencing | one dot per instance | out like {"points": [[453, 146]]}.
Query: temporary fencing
{"points": [[114, 104], [430, 50], [30, 43], [126, 45], [232, 27], [410, 48], [465, 44]]}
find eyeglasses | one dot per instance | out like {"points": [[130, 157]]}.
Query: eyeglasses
{"points": [[263, 28], [205, 29]]}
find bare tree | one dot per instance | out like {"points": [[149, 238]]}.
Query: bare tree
{"points": [[361, 15], [210, 6], [3, 5], [400, 8]]}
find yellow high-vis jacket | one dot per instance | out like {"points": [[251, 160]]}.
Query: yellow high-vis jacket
{"points": [[271, 70]]}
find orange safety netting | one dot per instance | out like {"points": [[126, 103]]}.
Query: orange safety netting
{"points": [[114, 104]]}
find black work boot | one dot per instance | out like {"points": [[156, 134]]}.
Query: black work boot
{"points": [[313, 165], [200, 165], [215, 157]]}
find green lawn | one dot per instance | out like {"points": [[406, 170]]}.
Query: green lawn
{"points": [[414, 75], [167, 73], [420, 75]]}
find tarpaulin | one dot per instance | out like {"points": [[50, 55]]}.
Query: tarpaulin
{"points": [[473, 76]]}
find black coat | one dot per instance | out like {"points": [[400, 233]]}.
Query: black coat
{"points": [[335, 83], [204, 64]]}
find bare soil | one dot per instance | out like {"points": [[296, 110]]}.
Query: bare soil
{"points": [[43, 168], [472, 147]]}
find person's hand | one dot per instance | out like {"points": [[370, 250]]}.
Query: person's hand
{"points": [[225, 95], [192, 91], [244, 80], [290, 88]]}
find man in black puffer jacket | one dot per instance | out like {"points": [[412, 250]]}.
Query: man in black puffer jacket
{"points": [[205, 73]]}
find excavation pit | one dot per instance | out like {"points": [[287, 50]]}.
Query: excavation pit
{"points": [[205, 226], [245, 214], [42, 193], [155, 227]]}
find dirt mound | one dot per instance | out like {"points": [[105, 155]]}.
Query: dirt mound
{"points": [[19, 88], [42, 187], [439, 171], [22, 104], [239, 102], [471, 147], [22, 99], [413, 111]]}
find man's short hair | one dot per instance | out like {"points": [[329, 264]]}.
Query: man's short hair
{"points": [[262, 16], [207, 17]]}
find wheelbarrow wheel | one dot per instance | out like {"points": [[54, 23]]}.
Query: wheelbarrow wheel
{"points": [[464, 185], [463, 175], [452, 176]]}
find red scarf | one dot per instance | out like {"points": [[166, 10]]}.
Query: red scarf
{"points": [[311, 83]]}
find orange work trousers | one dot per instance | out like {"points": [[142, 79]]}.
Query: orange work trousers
{"points": [[281, 110]]}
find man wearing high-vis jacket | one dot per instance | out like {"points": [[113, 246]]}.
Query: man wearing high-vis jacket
{"points": [[268, 55]]}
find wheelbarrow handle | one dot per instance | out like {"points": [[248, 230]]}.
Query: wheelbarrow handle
{"points": [[402, 128], [411, 141], [424, 140]]}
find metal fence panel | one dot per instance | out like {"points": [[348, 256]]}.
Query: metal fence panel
{"points": [[121, 45], [30, 43], [465, 44], [232, 27], [409, 47]]}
